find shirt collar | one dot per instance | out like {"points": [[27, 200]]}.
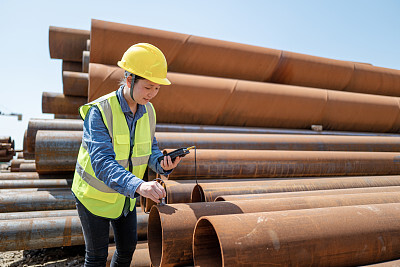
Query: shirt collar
{"points": [[141, 109]]}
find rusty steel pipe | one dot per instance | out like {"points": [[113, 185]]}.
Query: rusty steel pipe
{"points": [[27, 167], [213, 163], [35, 125], [67, 44], [210, 191], [278, 142], [180, 191], [336, 236], [57, 103], [75, 83], [35, 201], [56, 153], [171, 227], [59, 149], [273, 105], [71, 66], [37, 214], [204, 56], [35, 233], [309, 193], [32, 175], [85, 62], [30, 190], [48, 183], [15, 164], [140, 258]]}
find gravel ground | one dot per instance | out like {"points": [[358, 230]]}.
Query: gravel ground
{"points": [[49, 257]]}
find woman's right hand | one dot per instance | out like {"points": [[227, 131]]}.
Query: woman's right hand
{"points": [[152, 190]]}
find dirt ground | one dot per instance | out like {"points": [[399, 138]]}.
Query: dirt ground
{"points": [[49, 257]]}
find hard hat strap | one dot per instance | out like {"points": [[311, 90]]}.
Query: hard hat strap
{"points": [[127, 73]]}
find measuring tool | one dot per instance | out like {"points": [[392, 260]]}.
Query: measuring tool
{"points": [[180, 152]]}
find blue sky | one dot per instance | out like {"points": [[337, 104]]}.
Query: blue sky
{"points": [[358, 30]]}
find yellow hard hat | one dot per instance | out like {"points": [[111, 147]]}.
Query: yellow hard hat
{"points": [[147, 61]]}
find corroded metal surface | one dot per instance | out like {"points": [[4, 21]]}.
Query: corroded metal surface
{"points": [[57, 103], [56, 151], [15, 164], [171, 226], [35, 201], [140, 258], [210, 57], [309, 193], [45, 183], [49, 232], [37, 214], [213, 163], [191, 128], [277, 142], [32, 175], [272, 105], [336, 236], [27, 167], [67, 44], [75, 83], [35, 125], [209, 191]]}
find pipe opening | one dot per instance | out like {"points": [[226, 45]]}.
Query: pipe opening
{"points": [[221, 198], [198, 194], [206, 247], [154, 235]]}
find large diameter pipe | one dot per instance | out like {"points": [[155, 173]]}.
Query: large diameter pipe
{"points": [[48, 183], [75, 83], [57, 103], [35, 125], [278, 142], [210, 191], [309, 193], [35, 201], [67, 44], [187, 101], [58, 150], [170, 233], [336, 236], [279, 163], [35, 233], [55, 154], [204, 56]]}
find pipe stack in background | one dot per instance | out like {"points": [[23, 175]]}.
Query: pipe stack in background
{"points": [[7, 151], [297, 158]]}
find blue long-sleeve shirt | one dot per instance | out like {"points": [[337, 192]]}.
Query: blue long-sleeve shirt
{"points": [[102, 154]]}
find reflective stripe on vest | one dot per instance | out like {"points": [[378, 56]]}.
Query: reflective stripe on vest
{"points": [[94, 193]]}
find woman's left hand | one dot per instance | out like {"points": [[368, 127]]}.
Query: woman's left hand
{"points": [[167, 163]]}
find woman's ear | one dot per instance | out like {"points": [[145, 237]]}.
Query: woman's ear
{"points": [[128, 81]]}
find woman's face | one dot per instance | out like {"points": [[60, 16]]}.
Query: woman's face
{"points": [[144, 90]]}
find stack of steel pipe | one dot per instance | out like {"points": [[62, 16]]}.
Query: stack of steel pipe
{"points": [[71, 46], [254, 110], [7, 151], [209, 57]]}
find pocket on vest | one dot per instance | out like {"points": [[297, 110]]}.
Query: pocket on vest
{"points": [[142, 149], [93, 193]]}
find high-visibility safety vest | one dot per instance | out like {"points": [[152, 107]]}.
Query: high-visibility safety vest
{"points": [[93, 193]]}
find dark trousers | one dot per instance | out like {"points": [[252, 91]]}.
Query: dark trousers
{"points": [[96, 233]]}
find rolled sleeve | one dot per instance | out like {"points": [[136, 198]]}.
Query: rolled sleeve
{"points": [[102, 156]]}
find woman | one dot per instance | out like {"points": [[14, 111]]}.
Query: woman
{"points": [[117, 146]]}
